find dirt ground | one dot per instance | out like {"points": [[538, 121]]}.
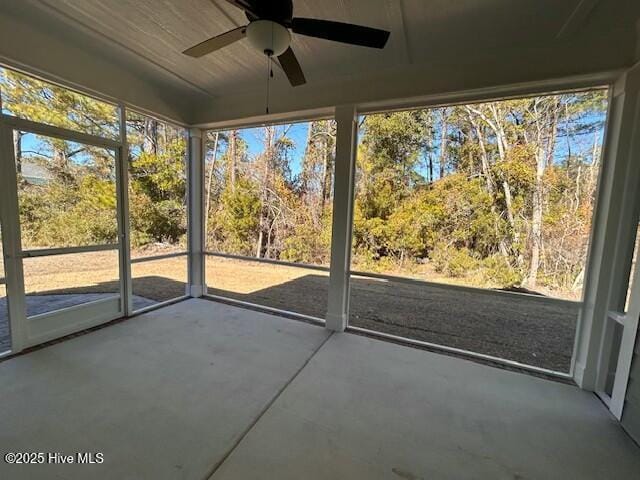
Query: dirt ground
{"points": [[524, 328], [516, 327]]}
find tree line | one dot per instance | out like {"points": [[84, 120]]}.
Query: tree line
{"points": [[258, 206], [67, 191], [497, 194]]}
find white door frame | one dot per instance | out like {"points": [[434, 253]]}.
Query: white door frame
{"points": [[11, 241], [612, 233], [29, 331], [629, 322], [617, 242]]}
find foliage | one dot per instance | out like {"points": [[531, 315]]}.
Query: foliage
{"points": [[454, 262], [502, 166], [158, 191], [39, 101], [78, 213], [499, 272], [237, 221], [71, 200], [498, 194]]}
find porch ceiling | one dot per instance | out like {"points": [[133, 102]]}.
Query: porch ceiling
{"points": [[435, 46]]}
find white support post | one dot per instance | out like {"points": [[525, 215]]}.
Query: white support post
{"points": [[124, 224], [613, 231], [11, 241], [196, 287], [346, 146]]}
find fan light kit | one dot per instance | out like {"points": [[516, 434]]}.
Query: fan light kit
{"points": [[269, 37], [268, 31]]}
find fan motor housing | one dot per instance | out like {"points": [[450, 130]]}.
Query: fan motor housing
{"points": [[279, 11], [269, 37]]}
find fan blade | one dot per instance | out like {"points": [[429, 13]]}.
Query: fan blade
{"points": [[291, 67], [216, 43], [244, 5], [341, 32]]}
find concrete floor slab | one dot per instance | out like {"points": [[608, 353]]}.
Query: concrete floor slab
{"points": [[367, 409], [163, 395]]}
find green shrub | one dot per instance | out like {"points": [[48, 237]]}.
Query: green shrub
{"points": [[497, 271], [454, 262]]}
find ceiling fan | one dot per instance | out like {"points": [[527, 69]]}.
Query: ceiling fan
{"points": [[268, 31]]}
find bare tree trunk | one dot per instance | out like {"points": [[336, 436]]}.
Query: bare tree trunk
{"points": [[269, 133], [428, 150], [259, 241], [443, 143], [508, 200], [60, 160], [484, 158], [17, 149], [491, 188], [503, 146], [165, 140], [150, 141], [578, 189], [536, 220], [325, 169], [307, 162], [551, 140], [593, 169], [543, 159], [209, 181], [232, 161]]}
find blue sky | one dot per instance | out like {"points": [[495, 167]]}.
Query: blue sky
{"points": [[297, 132], [580, 144], [32, 145]]}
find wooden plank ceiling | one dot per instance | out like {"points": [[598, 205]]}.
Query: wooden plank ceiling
{"points": [[422, 31]]}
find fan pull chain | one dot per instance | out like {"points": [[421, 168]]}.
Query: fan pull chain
{"points": [[269, 75]]}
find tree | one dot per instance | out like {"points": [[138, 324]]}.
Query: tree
{"points": [[496, 194], [531, 198], [157, 172]]}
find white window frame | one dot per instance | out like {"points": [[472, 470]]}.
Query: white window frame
{"points": [[71, 319], [611, 276], [27, 330], [338, 311], [588, 339], [191, 181], [295, 118]]}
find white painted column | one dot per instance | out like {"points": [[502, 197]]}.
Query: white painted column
{"points": [[124, 222], [196, 286], [346, 147], [613, 230], [11, 241]]}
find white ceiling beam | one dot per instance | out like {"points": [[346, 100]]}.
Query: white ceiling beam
{"points": [[577, 18]]}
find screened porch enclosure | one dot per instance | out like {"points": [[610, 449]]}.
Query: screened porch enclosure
{"points": [[382, 266], [444, 248]]}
